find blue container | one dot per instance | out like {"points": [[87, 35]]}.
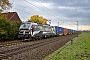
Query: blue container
{"points": [[59, 30], [73, 31], [70, 31]]}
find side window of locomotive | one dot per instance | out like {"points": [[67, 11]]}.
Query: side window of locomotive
{"points": [[46, 28], [50, 28], [40, 28], [36, 28]]}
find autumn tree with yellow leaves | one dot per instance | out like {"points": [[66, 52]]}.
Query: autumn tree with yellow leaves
{"points": [[4, 5], [38, 19]]}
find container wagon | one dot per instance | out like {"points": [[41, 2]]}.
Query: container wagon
{"points": [[59, 30], [65, 32], [69, 31]]}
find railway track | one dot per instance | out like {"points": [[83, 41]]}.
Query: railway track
{"points": [[4, 54], [10, 52], [10, 43]]}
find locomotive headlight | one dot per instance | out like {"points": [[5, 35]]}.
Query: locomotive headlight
{"points": [[29, 32], [24, 32]]}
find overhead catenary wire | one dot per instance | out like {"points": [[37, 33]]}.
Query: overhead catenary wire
{"points": [[51, 11], [73, 23], [29, 13], [46, 7], [40, 9], [22, 11]]}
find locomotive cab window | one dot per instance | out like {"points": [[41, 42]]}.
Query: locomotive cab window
{"points": [[25, 26]]}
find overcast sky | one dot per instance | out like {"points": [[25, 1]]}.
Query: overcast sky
{"points": [[66, 12]]}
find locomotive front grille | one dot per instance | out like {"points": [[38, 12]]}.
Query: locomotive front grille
{"points": [[26, 32], [21, 32]]}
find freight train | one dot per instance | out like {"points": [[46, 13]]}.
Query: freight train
{"points": [[30, 30]]}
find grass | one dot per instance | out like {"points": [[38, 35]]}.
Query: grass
{"points": [[78, 50]]}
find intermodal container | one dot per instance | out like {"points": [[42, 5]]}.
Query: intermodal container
{"points": [[65, 31], [73, 31], [59, 30], [69, 31]]}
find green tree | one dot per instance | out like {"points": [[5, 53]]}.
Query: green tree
{"points": [[4, 29], [15, 29], [9, 30]]}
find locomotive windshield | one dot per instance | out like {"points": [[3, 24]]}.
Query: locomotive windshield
{"points": [[25, 26]]}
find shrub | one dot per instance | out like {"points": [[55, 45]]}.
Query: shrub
{"points": [[8, 29]]}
